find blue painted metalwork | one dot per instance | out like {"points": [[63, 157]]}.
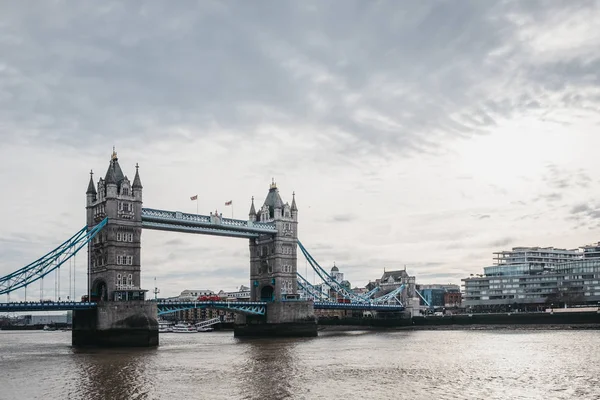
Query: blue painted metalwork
{"points": [[421, 296], [371, 292], [48, 306], [209, 225], [49, 262], [244, 307], [357, 306], [328, 279], [310, 290], [391, 295], [256, 308]]}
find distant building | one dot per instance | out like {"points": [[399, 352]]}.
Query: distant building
{"points": [[449, 287], [536, 277], [434, 295], [392, 280], [191, 295], [48, 319], [591, 251], [453, 299], [201, 314], [243, 294], [359, 291], [325, 288]]}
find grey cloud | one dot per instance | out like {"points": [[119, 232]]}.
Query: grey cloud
{"points": [[175, 242], [580, 208], [343, 218], [362, 80], [563, 178], [457, 245], [551, 197], [455, 276], [156, 69], [585, 215], [502, 242]]}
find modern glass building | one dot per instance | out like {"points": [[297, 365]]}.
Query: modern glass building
{"points": [[533, 276]]}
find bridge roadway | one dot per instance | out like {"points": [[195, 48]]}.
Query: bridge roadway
{"points": [[165, 307], [177, 221]]}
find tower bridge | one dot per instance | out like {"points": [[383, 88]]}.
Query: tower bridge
{"points": [[116, 311]]}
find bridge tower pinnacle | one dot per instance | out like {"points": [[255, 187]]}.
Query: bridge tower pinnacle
{"points": [[273, 261], [114, 255]]}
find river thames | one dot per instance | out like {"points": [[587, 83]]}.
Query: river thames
{"points": [[461, 364]]}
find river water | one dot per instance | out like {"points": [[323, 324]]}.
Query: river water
{"points": [[466, 364]]}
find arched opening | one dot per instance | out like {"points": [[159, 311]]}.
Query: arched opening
{"points": [[266, 293], [99, 291]]}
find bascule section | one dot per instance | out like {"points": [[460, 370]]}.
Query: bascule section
{"points": [[122, 316]]}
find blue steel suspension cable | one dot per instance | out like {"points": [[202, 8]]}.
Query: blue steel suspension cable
{"points": [[328, 279], [310, 289], [50, 261]]}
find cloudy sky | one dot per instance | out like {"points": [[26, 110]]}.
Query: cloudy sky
{"points": [[425, 134]]}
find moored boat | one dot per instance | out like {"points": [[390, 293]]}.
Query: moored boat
{"points": [[184, 328], [164, 326]]}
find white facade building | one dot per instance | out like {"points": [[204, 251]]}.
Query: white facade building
{"points": [[193, 294], [243, 294], [537, 276]]}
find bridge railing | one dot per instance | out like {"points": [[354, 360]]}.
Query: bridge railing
{"points": [[180, 218]]}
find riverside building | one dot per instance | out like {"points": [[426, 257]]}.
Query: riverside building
{"points": [[536, 277]]}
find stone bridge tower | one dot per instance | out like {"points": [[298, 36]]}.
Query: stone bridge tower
{"points": [[121, 316], [273, 279], [114, 254], [273, 259]]}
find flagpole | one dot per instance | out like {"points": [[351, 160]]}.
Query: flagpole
{"points": [[196, 205]]}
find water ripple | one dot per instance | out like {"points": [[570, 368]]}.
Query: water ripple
{"points": [[470, 364]]}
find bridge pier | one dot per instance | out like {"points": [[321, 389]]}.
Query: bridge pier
{"points": [[116, 324], [282, 319]]}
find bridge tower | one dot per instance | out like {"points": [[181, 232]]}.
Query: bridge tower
{"points": [[114, 254], [273, 258], [122, 317], [273, 266]]}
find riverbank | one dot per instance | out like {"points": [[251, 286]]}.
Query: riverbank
{"points": [[466, 321], [531, 327]]}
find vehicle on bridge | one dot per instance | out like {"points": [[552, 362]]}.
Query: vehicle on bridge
{"points": [[213, 297]]}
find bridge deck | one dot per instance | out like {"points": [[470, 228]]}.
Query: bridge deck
{"points": [[322, 305], [208, 225], [48, 306], [254, 307]]}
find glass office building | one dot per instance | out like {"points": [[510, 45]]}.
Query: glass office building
{"points": [[537, 277]]}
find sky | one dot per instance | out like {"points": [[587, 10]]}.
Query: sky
{"points": [[418, 134]]}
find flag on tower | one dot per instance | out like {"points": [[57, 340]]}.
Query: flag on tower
{"points": [[195, 197], [228, 203]]}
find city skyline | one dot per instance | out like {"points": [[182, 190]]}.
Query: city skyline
{"points": [[432, 137]]}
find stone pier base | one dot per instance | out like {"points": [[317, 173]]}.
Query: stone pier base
{"points": [[283, 319], [116, 324]]}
